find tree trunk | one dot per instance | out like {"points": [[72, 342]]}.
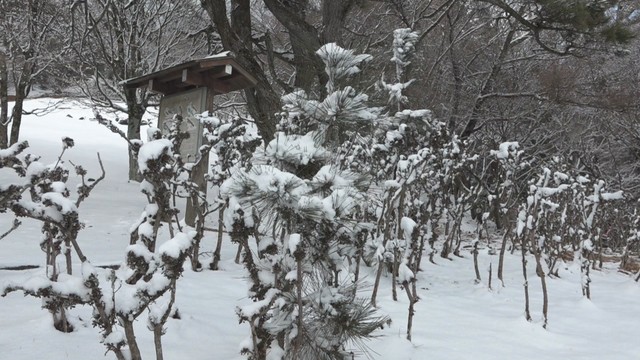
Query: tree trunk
{"points": [[334, 13], [22, 90], [503, 248], [305, 62], [527, 313], [457, 77], [263, 102], [475, 261], [23, 86], [412, 301], [4, 102], [216, 253], [157, 341], [394, 273], [131, 339], [135, 113], [16, 119]]}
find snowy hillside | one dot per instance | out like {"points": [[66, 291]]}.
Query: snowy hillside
{"points": [[456, 318]]}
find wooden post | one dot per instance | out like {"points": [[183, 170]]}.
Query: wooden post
{"points": [[199, 172]]}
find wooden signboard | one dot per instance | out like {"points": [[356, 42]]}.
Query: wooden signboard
{"points": [[188, 89], [188, 104]]}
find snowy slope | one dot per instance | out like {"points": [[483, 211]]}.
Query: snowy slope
{"points": [[455, 319]]}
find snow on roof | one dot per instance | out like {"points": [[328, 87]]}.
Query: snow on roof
{"points": [[220, 55]]}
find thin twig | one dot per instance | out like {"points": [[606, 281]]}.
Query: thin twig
{"points": [[87, 189], [16, 224]]}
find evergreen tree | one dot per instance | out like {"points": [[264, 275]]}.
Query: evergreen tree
{"points": [[306, 303]]}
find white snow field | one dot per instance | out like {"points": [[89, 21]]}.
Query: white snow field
{"points": [[455, 318]]}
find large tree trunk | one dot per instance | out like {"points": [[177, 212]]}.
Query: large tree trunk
{"points": [[236, 36], [306, 39], [263, 100], [16, 119], [23, 86], [334, 14]]}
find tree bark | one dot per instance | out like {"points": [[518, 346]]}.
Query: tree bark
{"points": [[22, 91], [503, 248], [23, 86], [135, 113], [157, 341], [131, 339], [4, 102], [527, 313], [216, 253], [334, 14], [263, 102], [16, 119]]}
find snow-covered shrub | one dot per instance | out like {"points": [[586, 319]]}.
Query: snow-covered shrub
{"points": [[230, 144], [404, 41], [50, 202], [506, 168], [563, 212], [632, 243], [146, 281]]}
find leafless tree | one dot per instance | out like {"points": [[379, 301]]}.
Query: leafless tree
{"points": [[115, 40], [30, 41]]}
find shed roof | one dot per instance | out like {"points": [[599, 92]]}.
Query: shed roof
{"points": [[220, 72]]}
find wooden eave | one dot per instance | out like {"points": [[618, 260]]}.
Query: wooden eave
{"points": [[222, 74]]}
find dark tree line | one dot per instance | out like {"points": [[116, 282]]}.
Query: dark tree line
{"points": [[493, 70]]}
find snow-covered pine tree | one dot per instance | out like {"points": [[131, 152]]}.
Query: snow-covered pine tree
{"points": [[404, 41], [305, 300], [413, 159]]}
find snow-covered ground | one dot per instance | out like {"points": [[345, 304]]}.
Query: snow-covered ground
{"points": [[455, 318]]}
